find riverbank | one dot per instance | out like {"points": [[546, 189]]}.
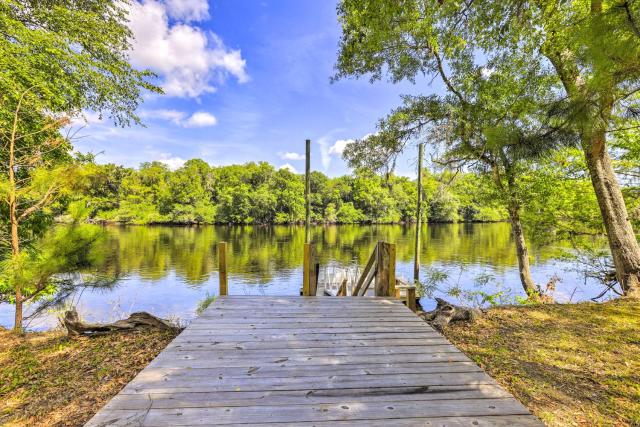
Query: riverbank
{"points": [[65, 220], [48, 379], [570, 364]]}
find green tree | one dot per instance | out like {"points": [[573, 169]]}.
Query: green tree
{"points": [[289, 191], [235, 205], [349, 214], [56, 59], [589, 48], [492, 118]]}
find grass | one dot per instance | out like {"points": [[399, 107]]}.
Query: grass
{"points": [[571, 365], [206, 302], [48, 379]]}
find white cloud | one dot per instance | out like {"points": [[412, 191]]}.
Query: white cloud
{"points": [[200, 119], [328, 150], [86, 119], [338, 147], [288, 167], [187, 59], [291, 156], [180, 118], [188, 10], [173, 162], [173, 116], [325, 157]]}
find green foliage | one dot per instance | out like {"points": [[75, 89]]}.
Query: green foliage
{"points": [[206, 302], [72, 55], [443, 206], [560, 200], [61, 250], [349, 214], [258, 194], [58, 58], [523, 80]]}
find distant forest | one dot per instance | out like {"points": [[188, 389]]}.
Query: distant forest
{"points": [[258, 193]]}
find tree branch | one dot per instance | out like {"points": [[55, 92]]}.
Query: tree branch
{"points": [[42, 202], [446, 80]]}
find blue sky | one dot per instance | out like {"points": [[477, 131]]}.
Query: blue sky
{"points": [[245, 80]]}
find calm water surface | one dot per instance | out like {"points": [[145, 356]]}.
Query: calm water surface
{"points": [[168, 270]]}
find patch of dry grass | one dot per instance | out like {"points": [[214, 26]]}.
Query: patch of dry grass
{"points": [[48, 379], [571, 365]]}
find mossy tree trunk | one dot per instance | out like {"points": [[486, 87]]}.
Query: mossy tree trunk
{"points": [[593, 115], [13, 218], [625, 250], [522, 252]]}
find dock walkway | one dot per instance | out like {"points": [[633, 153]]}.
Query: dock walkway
{"points": [[321, 361]]}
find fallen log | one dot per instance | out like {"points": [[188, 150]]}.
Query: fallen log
{"points": [[447, 312], [141, 320]]}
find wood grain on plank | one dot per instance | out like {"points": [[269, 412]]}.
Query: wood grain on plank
{"points": [[303, 397], [311, 361], [334, 412]]}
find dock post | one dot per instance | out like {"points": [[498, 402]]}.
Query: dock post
{"points": [[386, 270], [222, 268], [411, 298], [307, 192], [310, 276]]}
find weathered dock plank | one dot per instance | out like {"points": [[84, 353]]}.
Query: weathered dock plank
{"points": [[312, 361]]}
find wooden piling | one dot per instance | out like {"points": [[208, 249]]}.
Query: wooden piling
{"points": [[307, 192], [416, 259], [411, 298], [222, 268], [309, 275], [386, 270]]}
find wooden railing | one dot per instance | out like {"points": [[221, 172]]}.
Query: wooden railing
{"points": [[381, 269]]}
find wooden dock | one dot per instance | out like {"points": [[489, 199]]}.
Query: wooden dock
{"points": [[272, 361]]}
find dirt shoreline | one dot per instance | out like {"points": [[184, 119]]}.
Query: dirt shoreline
{"points": [[48, 379]]}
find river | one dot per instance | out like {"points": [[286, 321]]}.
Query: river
{"points": [[168, 270]]}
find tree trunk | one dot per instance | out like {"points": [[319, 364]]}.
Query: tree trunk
{"points": [[140, 320], [622, 240], [445, 313], [13, 221], [17, 322], [15, 250], [514, 209], [522, 253]]}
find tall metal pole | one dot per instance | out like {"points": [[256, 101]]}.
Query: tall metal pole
{"points": [[416, 260], [307, 193]]}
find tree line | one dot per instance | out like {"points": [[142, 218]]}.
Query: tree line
{"points": [[258, 193]]}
